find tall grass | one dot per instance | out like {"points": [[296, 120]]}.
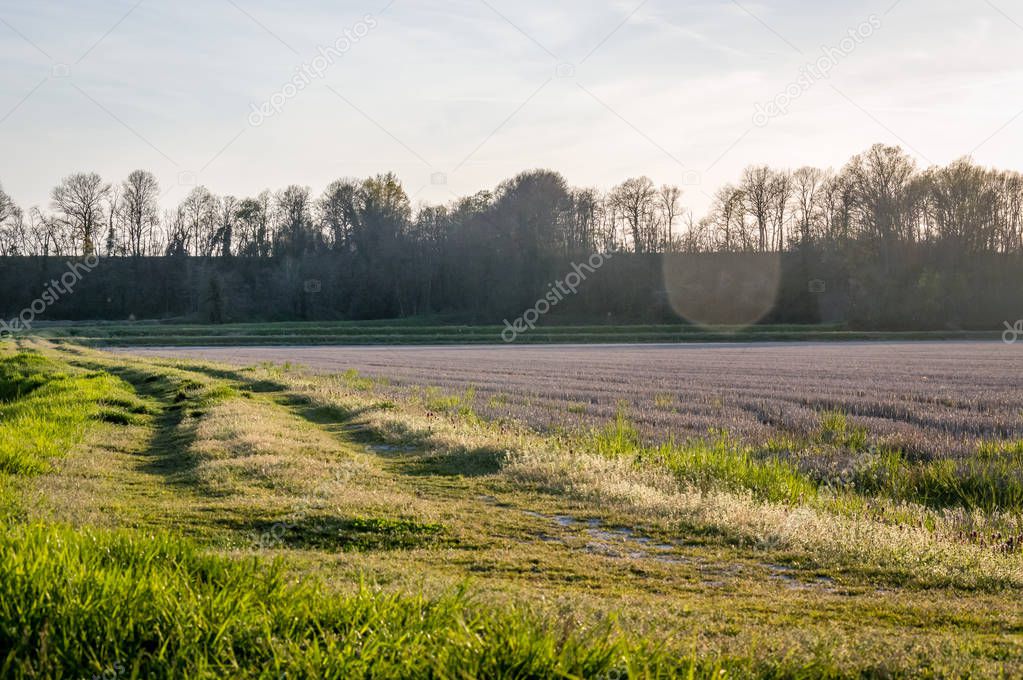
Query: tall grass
{"points": [[718, 461], [22, 373], [463, 405], [1001, 450], [836, 429], [75, 603], [983, 482], [990, 481]]}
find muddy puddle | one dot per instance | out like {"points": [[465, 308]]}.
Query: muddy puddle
{"points": [[390, 448], [595, 537]]}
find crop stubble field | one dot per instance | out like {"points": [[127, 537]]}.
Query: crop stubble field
{"points": [[927, 399]]}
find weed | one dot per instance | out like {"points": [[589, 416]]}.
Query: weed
{"points": [[499, 399], [836, 430], [718, 461], [354, 381], [722, 461], [462, 405], [664, 401], [619, 438]]}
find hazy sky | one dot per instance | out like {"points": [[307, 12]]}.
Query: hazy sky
{"points": [[456, 95]]}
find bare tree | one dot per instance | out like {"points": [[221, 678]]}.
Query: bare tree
{"points": [[113, 239], [228, 220], [635, 201], [880, 180], [198, 219], [1009, 189], [836, 207], [78, 201], [46, 235], [12, 227], [698, 235], [253, 226], [962, 206], [781, 194], [728, 217], [808, 184], [757, 190], [140, 211], [586, 220], [669, 198], [293, 207]]}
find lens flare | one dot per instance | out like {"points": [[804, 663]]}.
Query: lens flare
{"points": [[727, 289]]}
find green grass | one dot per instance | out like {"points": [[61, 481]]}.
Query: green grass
{"points": [[716, 461], [618, 439], [161, 608], [330, 532], [356, 381], [991, 481], [417, 331], [463, 404], [1001, 450], [22, 373], [88, 601], [722, 461], [47, 407], [664, 401], [836, 430], [986, 482]]}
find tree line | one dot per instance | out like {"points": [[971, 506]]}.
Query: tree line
{"points": [[880, 198], [898, 246]]}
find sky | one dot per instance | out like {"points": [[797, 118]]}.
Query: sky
{"points": [[457, 95]]}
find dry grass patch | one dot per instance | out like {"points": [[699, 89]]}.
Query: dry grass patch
{"points": [[243, 445], [911, 555]]}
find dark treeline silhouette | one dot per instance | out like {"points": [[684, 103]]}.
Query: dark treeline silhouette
{"points": [[893, 244]]}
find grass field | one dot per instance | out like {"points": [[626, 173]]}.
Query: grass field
{"points": [[179, 518], [427, 332]]}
